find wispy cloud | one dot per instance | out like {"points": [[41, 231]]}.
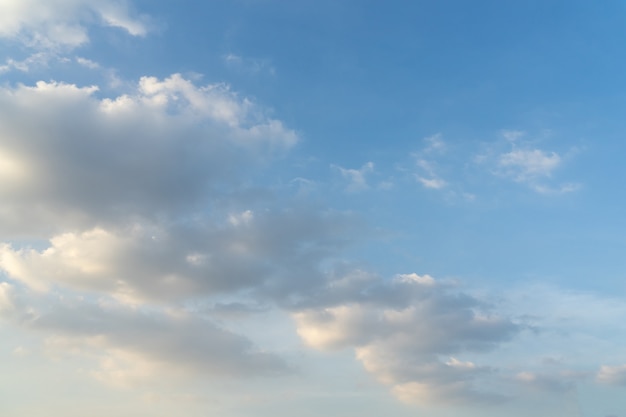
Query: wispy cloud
{"points": [[526, 163], [356, 178], [62, 24], [427, 165], [249, 65]]}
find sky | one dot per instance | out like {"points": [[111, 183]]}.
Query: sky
{"points": [[317, 208]]}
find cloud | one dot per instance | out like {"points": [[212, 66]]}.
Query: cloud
{"points": [[87, 63], [37, 59], [356, 178], [54, 24], [525, 163], [161, 149], [544, 382], [402, 329], [612, 375], [133, 344], [6, 297], [528, 164], [249, 65], [434, 183], [134, 206], [426, 163], [434, 144], [274, 253]]}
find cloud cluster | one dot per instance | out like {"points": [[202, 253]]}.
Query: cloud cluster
{"points": [[137, 204]]}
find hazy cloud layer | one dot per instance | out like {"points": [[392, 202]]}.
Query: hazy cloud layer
{"points": [[150, 340]]}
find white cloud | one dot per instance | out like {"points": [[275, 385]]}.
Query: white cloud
{"points": [[434, 183], [87, 63], [52, 24], [529, 164], [526, 163], [38, 59]]}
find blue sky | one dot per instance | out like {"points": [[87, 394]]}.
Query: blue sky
{"points": [[342, 208]]}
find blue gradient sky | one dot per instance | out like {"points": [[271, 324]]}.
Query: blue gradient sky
{"points": [[342, 208]]}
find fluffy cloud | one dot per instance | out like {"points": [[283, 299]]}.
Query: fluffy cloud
{"points": [[138, 204], [274, 253], [159, 150], [50, 24], [402, 329]]}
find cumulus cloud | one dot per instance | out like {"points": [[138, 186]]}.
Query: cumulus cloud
{"points": [[162, 148], [274, 253], [53, 24], [141, 201], [409, 333]]}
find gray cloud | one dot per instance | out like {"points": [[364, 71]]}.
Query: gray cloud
{"points": [[172, 341], [274, 253], [69, 159], [401, 331]]}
